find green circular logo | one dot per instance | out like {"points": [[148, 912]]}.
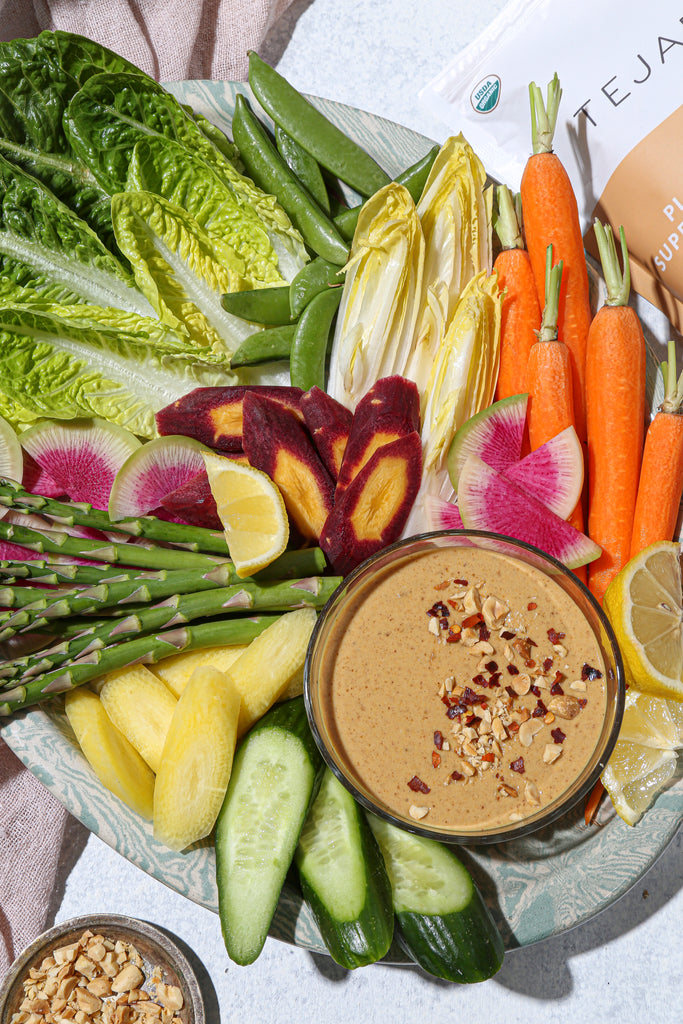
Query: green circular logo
{"points": [[485, 95]]}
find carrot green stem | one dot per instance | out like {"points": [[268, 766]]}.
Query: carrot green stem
{"points": [[618, 282], [673, 389], [506, 221], [544, 115], [553, 280]]}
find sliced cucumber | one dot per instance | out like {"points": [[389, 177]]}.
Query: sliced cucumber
{"points": [[274, 778], [343, 878], [442, 922]]}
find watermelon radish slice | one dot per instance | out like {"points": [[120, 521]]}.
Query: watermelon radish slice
{"points": [[39, 481], [194, 503], [153, 471], [489, 501], [81, 457], [495, 435], [553, 472]]}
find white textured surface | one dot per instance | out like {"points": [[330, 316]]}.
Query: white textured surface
{"points": [[625, 964]]}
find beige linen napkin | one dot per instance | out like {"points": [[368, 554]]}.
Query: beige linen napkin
{"points": [[170, 40]]}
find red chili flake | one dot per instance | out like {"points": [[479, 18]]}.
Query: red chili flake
{"points": [[453, 635], [540, 710], [452, 603], [558, 736], [418, 786], [554, 636], [443, 622], [436, 759], [469, 718], [518, 765], [484, 631], [535, 690], [513, 670], [471, 696], [530, 663], [475, 721], [491, 666], [446, 700], [507, 635], [470, 621], [531, 606], [494, 680], [461, 583], [556, 690], [490, 757], [547, 664], [442, 585], [479, 680], [438, 610], [512, 692], [453, 712], [438, 740], [590, 673], [456, 776], [531, 643], [582, 702], [513, 727]]}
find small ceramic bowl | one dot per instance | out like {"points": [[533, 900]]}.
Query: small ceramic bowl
{"points": [[341, 701], [155, 947]]}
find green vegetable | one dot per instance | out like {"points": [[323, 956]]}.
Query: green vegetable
{"points": [[274, 778], [343, 878], [442, 921], [317, 276], [304, 166], [311, 338], [333, 150], [80, 361], [260, 305], [265, 346], [265, 166]]}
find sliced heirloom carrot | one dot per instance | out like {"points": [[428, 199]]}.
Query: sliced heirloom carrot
{"points": [[276, 442], [551, 217], [615, 408], [329, 424], [520, 310], [374, 508], [141, 706]]}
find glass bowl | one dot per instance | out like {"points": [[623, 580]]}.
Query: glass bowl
{"points": [[408, 739]]}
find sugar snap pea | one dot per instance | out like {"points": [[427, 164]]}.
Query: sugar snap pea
{"points": [[305, 166], [317, 276], [260, 305], [266, 167], [309, 347], [413, 178], [330, 146], [264, 346]]}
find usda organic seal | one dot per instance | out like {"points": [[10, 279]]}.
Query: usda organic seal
{"points": [[485, 95]]}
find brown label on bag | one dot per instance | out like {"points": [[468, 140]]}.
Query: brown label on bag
{"points": [[645, 194]]}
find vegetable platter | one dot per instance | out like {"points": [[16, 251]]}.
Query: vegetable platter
{"points": [[535, 887]]}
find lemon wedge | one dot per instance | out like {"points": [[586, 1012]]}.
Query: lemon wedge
{"points": [[635, 775], [252, 512], [652, 721], [644, 604]]}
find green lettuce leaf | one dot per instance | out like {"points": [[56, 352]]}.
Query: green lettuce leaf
{"points": [[181, 269], [169, 170], [44, 245], [67, 362]]}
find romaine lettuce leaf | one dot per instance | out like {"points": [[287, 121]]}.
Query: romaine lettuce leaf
{"points": [[44, 245], [65, 363]]}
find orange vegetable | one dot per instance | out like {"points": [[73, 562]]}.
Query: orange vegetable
{"points": [[615, 407], [661, 474], [520, 310], [551, 217], [593, 802]]}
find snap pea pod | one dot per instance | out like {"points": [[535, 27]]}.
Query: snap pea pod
{"points": [[260, 305], [330, 146], [317, 276], [305, 166], [267, 169], [309, 347], [413, 178], [265, 346]]}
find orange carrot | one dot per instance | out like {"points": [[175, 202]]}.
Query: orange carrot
{"points": [[661, 475], [593, 802], [615, 411], [521, 310], [551, 216], [550, 408]]}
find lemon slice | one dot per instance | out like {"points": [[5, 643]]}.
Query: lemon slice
{"points": [[635, 775], [652, 721], [252, 512], [644, 604]]}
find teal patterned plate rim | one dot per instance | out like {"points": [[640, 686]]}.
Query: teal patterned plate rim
{"points": [[536, 887]]}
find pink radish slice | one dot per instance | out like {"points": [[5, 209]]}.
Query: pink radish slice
{"points": [[82, 457], [194, 503], [553, 473], [495, 434], [152, 472], [38, 481], [489, 501]]}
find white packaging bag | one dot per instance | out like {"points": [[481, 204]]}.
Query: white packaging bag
{"points": [[620, 127]]}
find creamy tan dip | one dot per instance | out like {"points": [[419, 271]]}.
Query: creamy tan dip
{"points": [[465, 688]]}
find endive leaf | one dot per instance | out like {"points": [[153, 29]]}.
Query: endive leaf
{"points": [[377, 315]]}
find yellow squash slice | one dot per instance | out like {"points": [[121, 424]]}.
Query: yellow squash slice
{"points": [[141, 706]]}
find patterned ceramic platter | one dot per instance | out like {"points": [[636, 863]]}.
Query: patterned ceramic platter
{"points": [[536, 886]]}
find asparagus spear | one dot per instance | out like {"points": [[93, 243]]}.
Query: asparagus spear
{"points": [[283, 596], [146, 649]]}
